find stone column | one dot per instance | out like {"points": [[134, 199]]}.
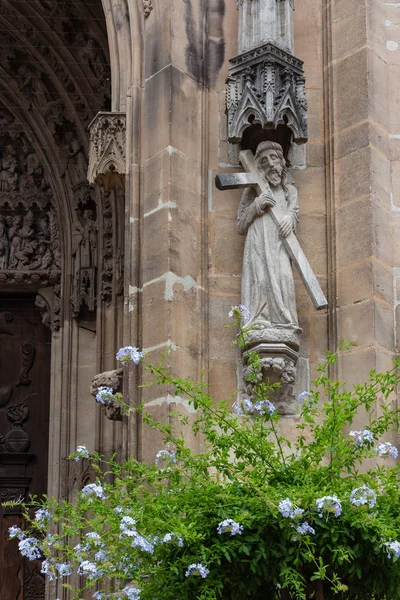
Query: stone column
{"points": [[173, 267], [265, 22], [362, 215]]}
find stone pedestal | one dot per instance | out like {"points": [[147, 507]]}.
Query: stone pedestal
{"points": [[277, 365]]}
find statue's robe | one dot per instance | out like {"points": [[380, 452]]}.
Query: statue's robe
{"points": [[267, 278]]}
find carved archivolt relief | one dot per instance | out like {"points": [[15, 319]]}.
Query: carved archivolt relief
{"points": [[30, 250]]}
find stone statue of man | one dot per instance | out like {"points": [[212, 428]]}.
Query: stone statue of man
{"points": [[268, 289]]}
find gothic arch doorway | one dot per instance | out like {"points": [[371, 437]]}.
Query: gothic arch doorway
{"points": [[61, 242]]}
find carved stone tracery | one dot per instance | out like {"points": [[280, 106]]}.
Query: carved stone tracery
{"points": [[107, 154], [30, 250], [266, 86]]}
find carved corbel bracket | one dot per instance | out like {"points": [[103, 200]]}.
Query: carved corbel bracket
{"points": [[107, 155], [277, 365], [113, 380], [266, 87]]}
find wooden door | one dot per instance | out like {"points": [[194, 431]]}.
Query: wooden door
{"points": [[25, 345]]}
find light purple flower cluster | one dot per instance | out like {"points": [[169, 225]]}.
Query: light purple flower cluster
{"points": [[82, 451], [197, 569], [165, 456], [105, 395], [305, 529], [30, 548], [393, 549], [230, 526], [329, 505], [132, 592], [362, 437], [89, 568], [129, 353], [288, 510], [93, 489], [15, 531], [93, 538], [64, 569], [247, 407], [303, 396], [240, 311], [42, 516], [172, 537], [387, 449], [363, 495], [127, 527]]}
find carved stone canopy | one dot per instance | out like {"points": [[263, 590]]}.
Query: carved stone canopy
{"points": [[266, 86], [107, 157]]}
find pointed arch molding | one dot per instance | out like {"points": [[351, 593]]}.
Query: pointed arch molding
{"points": [[266, 86]]}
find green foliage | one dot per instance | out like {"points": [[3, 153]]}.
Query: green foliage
{"points": [[247, 467]]}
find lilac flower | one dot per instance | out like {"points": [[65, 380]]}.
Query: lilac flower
{"points": [[98, 595], [230, 526], [305, 529], [287, 509], [171, 537], [93, 489], [329, 504], [101, 555], [118, 510], [363, 495], [64, 569], [42, 516], [240, 311], [246, 406], [129, 353], [303, 396], [362, 437], [127, 526], [30, 548], [140, 542], [104, 395], [82, 451], [94, 538], [88, 568], [47, 568], [15, 531], [165, 455], [393, 549], [132, 592], [197, 569], [387, 449]]}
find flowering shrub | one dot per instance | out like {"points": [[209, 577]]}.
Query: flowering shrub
{"points": [[254, 516]]}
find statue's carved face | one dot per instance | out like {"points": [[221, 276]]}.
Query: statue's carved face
{"points": [[270, 163]]}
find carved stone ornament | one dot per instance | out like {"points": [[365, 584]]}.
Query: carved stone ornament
{"points": [[30, 250], [107, 157], [84, 249], [147, 8], [266, 87], [113, 380]]}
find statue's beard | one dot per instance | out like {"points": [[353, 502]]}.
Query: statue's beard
{"points": [[273, 177]]}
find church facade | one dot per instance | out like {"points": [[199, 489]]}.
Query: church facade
{"points": [[160, 162]]}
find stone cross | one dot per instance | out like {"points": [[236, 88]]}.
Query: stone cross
{"points": [[253, 178]]}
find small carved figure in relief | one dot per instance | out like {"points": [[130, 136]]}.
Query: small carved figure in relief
{"points": [[147, 8], [28, 241], [15, 239], [267, 281], [8, 173], [85, 240], [4, 243]]}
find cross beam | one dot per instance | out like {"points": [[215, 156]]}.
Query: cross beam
{"points": [[252, 178]]}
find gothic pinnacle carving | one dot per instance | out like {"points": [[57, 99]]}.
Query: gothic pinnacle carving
{"points": [[107, 150]]}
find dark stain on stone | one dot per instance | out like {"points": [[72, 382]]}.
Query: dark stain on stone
{"points": [[205, 50]]}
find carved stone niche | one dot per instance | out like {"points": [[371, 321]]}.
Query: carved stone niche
{"points": [[107, 155], [266, 87], [113, 380]]}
